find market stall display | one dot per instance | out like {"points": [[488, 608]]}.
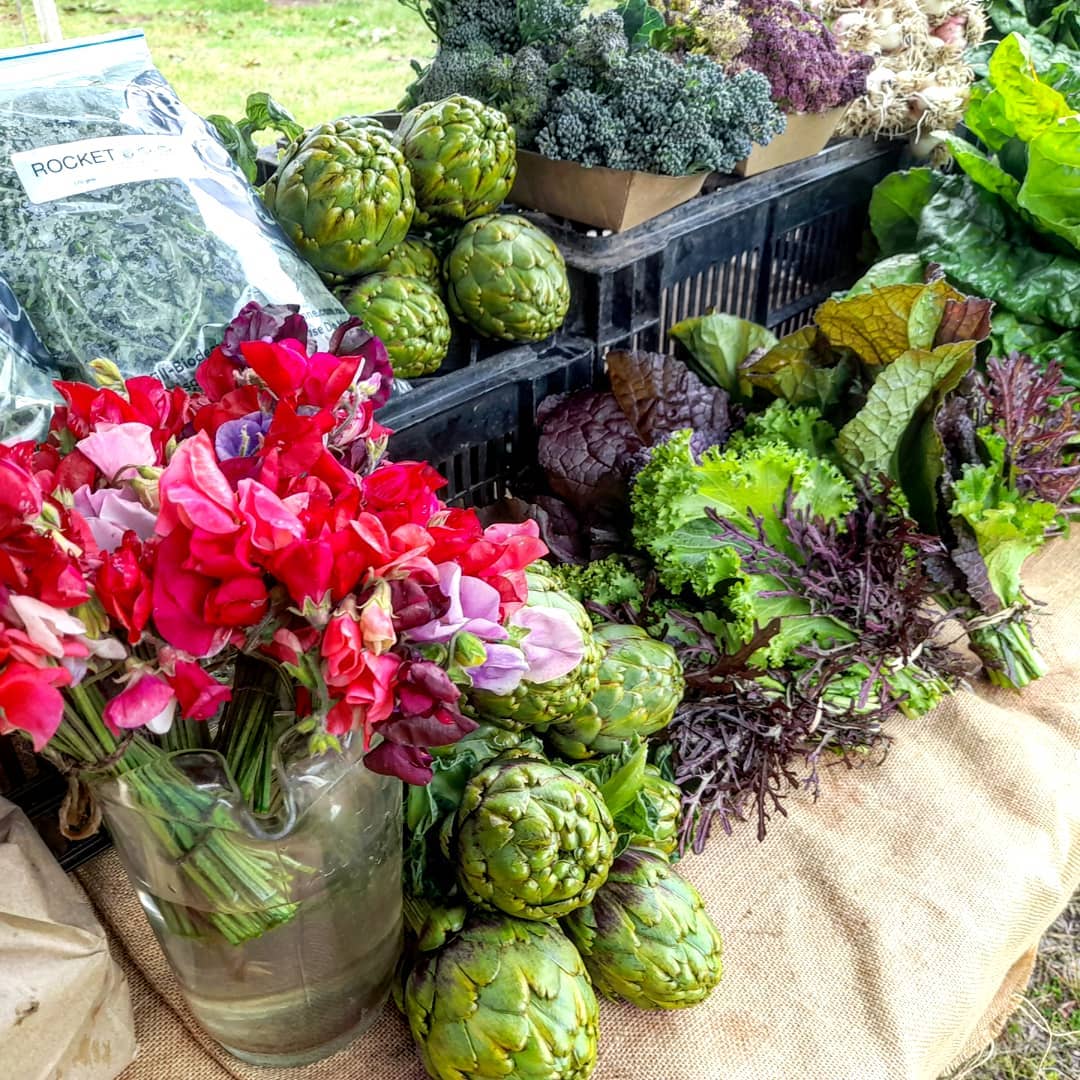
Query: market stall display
{"points": [[516, 746]]}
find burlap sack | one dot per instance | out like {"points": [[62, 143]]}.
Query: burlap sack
{"points": [[881, 934], [64, 1006]]}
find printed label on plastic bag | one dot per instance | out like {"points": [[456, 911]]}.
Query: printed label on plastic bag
{"points": [[55, 172]]}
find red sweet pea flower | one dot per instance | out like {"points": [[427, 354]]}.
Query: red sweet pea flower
{"points": [[238, 603], [32, 564], [166, 409], [305, 568], [88, 406], [123, 587], [31, 702], [199, 694], [403, 493], [20, 493], [179, 599], [327, 378], [282, 365]]}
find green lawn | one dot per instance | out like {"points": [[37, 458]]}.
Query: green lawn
{"points": [[319, 58]]}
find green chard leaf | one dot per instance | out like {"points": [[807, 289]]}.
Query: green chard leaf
{"points": [[718, 344], [913, 384], [896, 207], [905, 269], [803, 369], [881, 325]]}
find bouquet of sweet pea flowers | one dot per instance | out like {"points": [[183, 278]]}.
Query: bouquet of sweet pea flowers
{"points": [[175, 566]]}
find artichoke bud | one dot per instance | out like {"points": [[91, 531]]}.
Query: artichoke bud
{"points": [[646, 937], [439, 926], [467, 650]]}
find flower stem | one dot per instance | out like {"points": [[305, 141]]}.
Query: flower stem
{"points": [[246, 887], [250, 730]]}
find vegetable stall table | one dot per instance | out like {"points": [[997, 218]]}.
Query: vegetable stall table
{"points": [[881, 935]]}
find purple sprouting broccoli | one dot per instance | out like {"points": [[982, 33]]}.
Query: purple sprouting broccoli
{"points": [[801, 58]]}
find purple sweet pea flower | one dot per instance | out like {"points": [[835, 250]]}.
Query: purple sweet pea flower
{"points": [[473, 609], [553, 646], [111, 512], [241, 437], [502, 670]]}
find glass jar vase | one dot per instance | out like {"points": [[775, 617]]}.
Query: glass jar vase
{"points": [[283, 930]]}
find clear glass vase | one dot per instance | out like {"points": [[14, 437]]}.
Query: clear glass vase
{"points": [[283, 930]]}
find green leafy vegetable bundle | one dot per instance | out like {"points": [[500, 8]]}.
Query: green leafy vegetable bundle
{"points": [[799, 518], [1005, 227]]}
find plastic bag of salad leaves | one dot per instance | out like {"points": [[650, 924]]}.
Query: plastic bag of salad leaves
{"points": [[126, 230], [26, 374]]}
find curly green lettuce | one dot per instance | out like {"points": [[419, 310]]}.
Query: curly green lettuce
{"points": [[673, 493]]}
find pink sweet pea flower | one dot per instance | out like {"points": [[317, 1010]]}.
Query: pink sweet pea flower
{"points": [[474, 609], [119, 449], [31, 702], [147, 702], [45, 626], [553, 646], [272, 523], [194, 492], [504, 667]]}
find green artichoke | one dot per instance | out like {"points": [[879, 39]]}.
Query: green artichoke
{"points": [[345, 200], [539, 704], [646, 937], [416, 258], [652, 819], [532, 838], [407, 315], [503, 998], [463, 157], [641, 685], [507, 279]]}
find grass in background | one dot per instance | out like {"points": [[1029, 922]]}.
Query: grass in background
{"points": [[319, 58], [1042, 1040]]}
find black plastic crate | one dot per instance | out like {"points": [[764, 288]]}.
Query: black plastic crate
{"points": [[478, 427], [769, 248]]}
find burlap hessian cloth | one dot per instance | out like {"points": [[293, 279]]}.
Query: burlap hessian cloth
{"points": [[883, 933]]}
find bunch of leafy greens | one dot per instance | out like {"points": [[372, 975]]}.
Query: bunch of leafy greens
{"points": [[756, 550], [1053, 21], [1006, 227], [983, 461]]}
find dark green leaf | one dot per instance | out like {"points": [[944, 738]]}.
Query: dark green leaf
{"points": [[896, 208]]}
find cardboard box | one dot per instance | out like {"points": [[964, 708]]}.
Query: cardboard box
{"points": [[806, 135], [614, 199]]}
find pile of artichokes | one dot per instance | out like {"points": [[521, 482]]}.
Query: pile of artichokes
{"points": [[538, 866], [391, 219]]}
